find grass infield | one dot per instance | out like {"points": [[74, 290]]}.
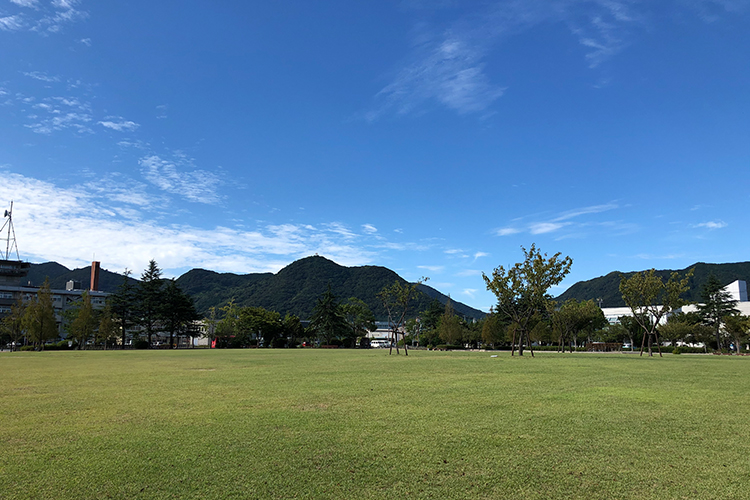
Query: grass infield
{"points": [[363, 424]]}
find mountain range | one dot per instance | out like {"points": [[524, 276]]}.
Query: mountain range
{"points": [[294, 289], [607, 288]]}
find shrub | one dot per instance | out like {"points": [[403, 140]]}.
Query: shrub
{"points": [[449, 347], [140, 344], [278, 343]]}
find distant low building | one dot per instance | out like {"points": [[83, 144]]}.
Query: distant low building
{"points": [[738, 290]]}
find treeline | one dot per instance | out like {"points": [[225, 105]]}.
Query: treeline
{"points": [[333, 323]]}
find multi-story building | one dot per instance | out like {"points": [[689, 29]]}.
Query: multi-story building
{"points": [[12, 288]]}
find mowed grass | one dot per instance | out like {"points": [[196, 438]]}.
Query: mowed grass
{"points": [[363, 424]]}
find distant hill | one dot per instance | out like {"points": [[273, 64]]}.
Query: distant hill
{"points": [[59, 275], [608, 287], [296, 288]]}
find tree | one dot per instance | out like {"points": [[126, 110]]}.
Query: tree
{"points": [[737, 326], [360, 318], [12, 325], [108, 328], [450, 330], [494, 329], [650, 299], [227, 328], [39, 317], [717, 304], [177, 311], [83, 326], [264, 325], [124, 305], [396, 299], [328, 319], [150, 300], [210, 322], [677, 328], [521, 290], [292, 328]]}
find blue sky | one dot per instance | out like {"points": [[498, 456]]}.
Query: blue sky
{"points": [[434, 138]]}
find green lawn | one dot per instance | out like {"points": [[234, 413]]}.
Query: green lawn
{"points": [[363, 424]]}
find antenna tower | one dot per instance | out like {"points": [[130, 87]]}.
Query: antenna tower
{"points": [[10, 235]]}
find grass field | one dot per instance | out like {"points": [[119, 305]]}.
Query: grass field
{"points": [[362, 424]]}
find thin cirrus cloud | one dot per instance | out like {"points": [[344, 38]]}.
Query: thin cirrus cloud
{"points": [[68, 224], [432, 269], [119, 124], [556, 223], [716, 224], [42, 17], [449, 64], [178, 176]]}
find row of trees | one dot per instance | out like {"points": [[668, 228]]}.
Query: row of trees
{"points": [[526, 312], [154, 305], [332, 323]]}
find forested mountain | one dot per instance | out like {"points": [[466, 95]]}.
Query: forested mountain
{"points": [[59, 275], [296, 288], [608, 287]]}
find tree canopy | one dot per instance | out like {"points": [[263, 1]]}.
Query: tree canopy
{"points": [[522, 290], [650, 299]]}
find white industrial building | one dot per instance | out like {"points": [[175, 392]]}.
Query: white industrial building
{"points": [[738, 290]]}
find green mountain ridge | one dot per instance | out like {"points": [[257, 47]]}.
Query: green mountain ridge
{"points": [[294, 289], [607, 288]]}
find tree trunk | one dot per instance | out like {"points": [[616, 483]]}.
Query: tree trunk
{"points": [[718, 337], [658, 344], [528, 338], [406, 352], [513, 344]]}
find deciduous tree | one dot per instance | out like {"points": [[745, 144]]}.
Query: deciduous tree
{"points": [[83, 326], [521, 290], [396, 299], [360, 318], [39, 317], [650, 299]]}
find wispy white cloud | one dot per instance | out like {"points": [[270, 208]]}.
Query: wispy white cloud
{"points": [[477, 255], [507, 231], [469, 272], [120, 125], [41, 76], [369, 228], [556, 222], [179, 176], [545, 227], [26, 3], [716, 224], [11, 23], [68, 225], [85, 41], [43, 17], [470, 292], [448, 63], [432, 269]]}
